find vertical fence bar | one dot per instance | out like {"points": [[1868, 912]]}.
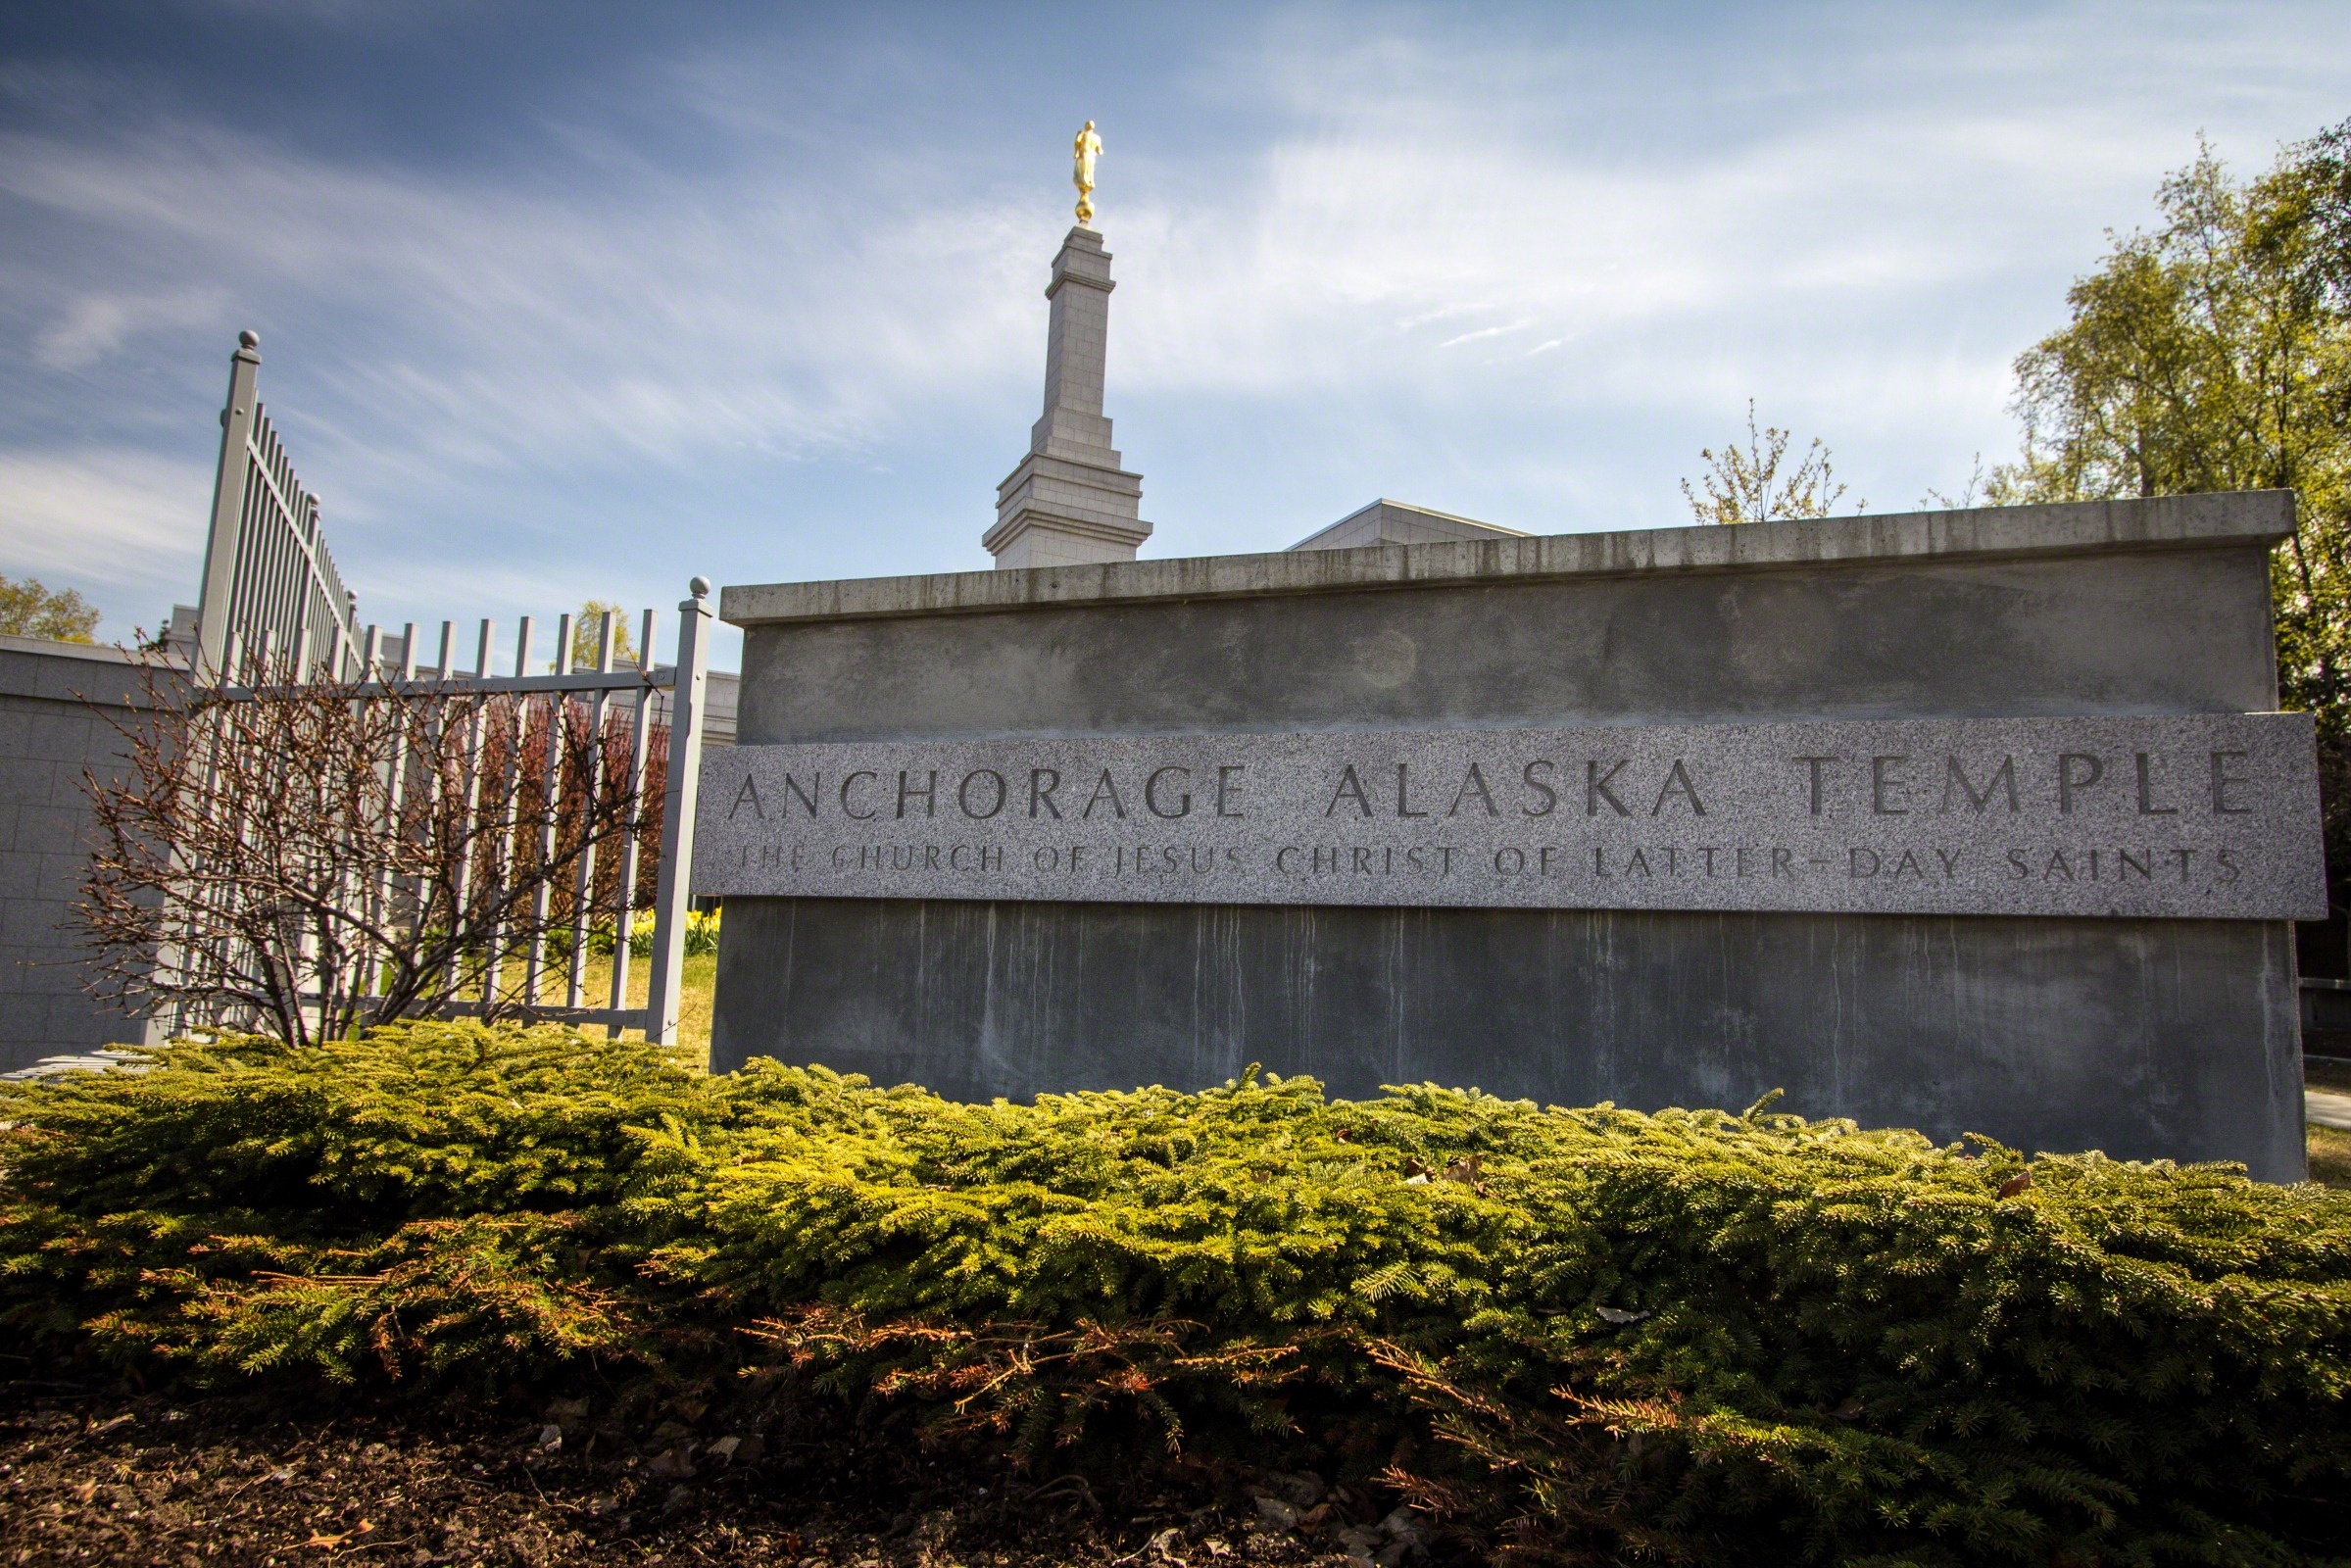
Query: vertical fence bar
{"points": [[260, 668], [358, 949], [641, 736], [310, 949], [221, 949], [508, 843], [676, 891], [370, 953], [229, 482], [558, 712], [470, 809], [265, 563], [202, 955], [438, 785], [583, 875], [396, 780]]}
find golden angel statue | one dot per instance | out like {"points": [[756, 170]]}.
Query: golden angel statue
{"points": [[1086, 148]]}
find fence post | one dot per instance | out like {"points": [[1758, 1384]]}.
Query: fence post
{"points": [[228, 506], [676, 881]]}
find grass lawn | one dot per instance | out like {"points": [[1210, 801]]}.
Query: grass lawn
{"points": [[2329, 1146], [2331, 1157], [694, 1009]]}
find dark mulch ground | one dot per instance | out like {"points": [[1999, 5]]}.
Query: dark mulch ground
{"points": [[163, 1479]]}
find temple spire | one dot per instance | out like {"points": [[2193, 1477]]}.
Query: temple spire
{"points": [[1069, 503]]}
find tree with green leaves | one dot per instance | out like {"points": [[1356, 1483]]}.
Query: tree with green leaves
{"points": [[1748, 484], [587, 628], [2213, 352], [28, 608]]}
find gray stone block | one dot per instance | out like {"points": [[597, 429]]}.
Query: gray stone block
{"points": [[2045, 1034], [23, 1011], [66, 787], [31, 779], [23, 876], [2175, 1037], [56, 875], [55, 968], [32, 923], [59, 735], [1936, 638], [65, 672], [2195, 816], [2085, 528], [47, 736], [50, 829], [80, 1022]]}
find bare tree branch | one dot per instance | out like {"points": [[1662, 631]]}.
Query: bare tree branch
{"points": [[1745, 484], [303, 859]]}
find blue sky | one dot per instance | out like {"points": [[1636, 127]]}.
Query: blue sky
{"points": [[582, 299]]}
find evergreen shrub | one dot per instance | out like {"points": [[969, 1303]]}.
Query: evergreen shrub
{"points": [[1692, 1336]]}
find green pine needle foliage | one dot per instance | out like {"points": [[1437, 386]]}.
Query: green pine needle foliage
{"points": [[1688, 1337]]}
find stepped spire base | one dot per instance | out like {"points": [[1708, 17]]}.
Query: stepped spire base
{"points": [[1069, 501]]}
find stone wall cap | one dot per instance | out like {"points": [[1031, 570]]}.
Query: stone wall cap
{"points": [[48, 670], [2250, 519], [49, 647]]}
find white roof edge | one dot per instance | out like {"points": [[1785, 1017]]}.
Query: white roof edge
{"points": [[1495, 528]]}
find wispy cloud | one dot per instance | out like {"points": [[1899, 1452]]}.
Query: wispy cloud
{"points": [[1483, 332], [95, 325], [646, 319], [786, 299], [118, 519]]}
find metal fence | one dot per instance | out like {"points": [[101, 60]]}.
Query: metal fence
{"points": [[267, 570], [512, 754], [521, 742]]}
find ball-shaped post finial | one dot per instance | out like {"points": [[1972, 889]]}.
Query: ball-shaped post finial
{"points": [[700, 587], [249, 339]]}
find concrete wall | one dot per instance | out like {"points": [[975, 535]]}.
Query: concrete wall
{"points": [[2147, 1038], [47, 736], [2141, 1037]]}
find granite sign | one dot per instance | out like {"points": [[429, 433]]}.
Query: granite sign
{"points": [[2189, 816], [1968, 821]]}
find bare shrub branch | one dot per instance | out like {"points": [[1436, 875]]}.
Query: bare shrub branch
{"points": [[1745, 484], [301, 859]]}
